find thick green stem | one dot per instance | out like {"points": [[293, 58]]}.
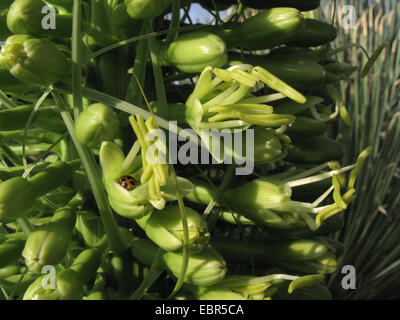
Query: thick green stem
{"points": [[88, 162], [77, 58]]}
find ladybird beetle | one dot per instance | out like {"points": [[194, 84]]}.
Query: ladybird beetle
{"points": [[127, 182]]}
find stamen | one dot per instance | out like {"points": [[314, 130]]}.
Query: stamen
{"points": [[224, 125], [337, 98], [319, 177], [263, 99], [278, 85], [359, 164], [337, 197], [131, 156], [220, 99], [322, 197]]}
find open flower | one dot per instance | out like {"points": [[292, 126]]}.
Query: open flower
{"points": [[222, 99], [135, 185], [269, 200]]}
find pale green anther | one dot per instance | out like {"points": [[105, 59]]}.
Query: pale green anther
{"points": [[244, 77], [165, 228], [204, 108], [223, 74], [241, 106], [337, 197], [305, 281], [328, 212], [334, 165], [278, 85], [236, 74], [337, 98], [155, 172], [359, 164], [269, 120], [334, 208]]}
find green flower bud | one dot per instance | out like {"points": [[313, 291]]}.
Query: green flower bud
{"points": [[192, 52], [86, 264], [204, 269], [140, 9], [17, 198], [324, 264], [259, 194], [49, 244], [269, 146], [96, 124], [33, 61], [68, 287], [165, 228], [267, 29], [26, 17]]}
